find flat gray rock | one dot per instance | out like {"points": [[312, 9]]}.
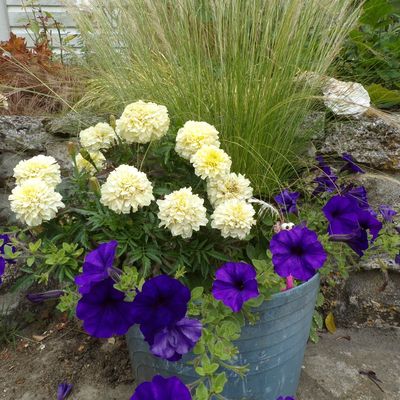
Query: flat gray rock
{"points": [[20, 134], [371, 140], [331, 367]]}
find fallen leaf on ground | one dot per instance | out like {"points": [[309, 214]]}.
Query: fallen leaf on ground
{"points": [[330, 323], [39, 338], [347, 337]]}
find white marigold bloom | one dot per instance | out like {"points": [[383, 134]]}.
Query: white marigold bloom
{"points": [[100, 136], [34, 202], [234, 218], [84, 165], [182, 212], [231, 186], [211, 162], [42, 167], [194, 135], [126, 189], [143, 122], [346, 98]]}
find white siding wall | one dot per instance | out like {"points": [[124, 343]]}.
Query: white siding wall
{"points": [[15, 16]]}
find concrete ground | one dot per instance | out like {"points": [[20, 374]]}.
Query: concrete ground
{"points": [[330, 372], [331, 367]]}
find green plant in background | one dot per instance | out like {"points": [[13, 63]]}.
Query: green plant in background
{"points": [[372, 52], [40, 26], [231, 63]]}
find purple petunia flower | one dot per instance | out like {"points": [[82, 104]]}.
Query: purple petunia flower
{"points": [[349, 223], [162, 389], [351, 165], [96, 266], [387, 212], [104, 311], [63, 391], [359, 194], [326, 182], [172, 342], [285, 398], [41, 297], [369, 223], [2, 268], [288, 200], [322, 165], [297, 252], [162, 302], [357, 241], [5, 242], [234, 284], [397, 259], [341, 212], [3, 260]]}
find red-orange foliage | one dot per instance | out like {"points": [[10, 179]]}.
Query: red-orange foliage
{"points": [[30, 78]]}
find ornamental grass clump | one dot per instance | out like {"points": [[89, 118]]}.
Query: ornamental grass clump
{"points": [[170, 239], [233, 64]]}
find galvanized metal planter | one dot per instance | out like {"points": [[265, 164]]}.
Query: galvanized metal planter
{"points": [[273, 349]]}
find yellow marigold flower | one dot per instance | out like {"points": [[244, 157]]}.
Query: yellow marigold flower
{"points": [[234, 218], [143, 122], [42, 167], [34, 202], [182, 212], [100, 136], [194, 135], [84, 165], [211, 162], [126, 189], [231, 186]]}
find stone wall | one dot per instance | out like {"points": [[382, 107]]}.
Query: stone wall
{"points": [[22, 137], [371, 295]]}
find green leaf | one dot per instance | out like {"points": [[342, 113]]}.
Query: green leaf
{"points": [[218, 382], [382, 97], [320, 299], [34, 247], [256, 302], [314, 335], [8, 252], [200, 371], [199, 348], [197, 292], [30, 261], [34, 27], [260, 265], [202, 392], [375, 10], [211, 368], [69, 38], [317, 318], [23, 283]]}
